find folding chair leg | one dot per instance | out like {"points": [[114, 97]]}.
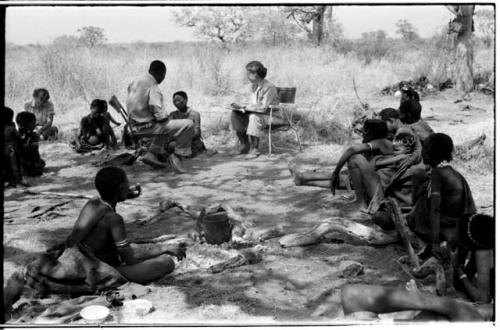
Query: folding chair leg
{"points": [[269, 132], [298, 138]]}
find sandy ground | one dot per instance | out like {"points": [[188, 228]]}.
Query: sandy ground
{"points": [[299, 284]]}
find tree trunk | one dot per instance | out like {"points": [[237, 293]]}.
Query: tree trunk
{"points": [[318, 25], [464, 78], [327, 23]]}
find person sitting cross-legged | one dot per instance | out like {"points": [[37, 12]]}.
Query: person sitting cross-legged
{"points": [[95, 128], [97, 255]]}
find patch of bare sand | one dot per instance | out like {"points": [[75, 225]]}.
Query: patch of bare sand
{"points": [[295, 284]]}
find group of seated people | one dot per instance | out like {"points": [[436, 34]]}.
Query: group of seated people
{"points": [[34, 124], [171, 136], [21, 155], [401, 157]]}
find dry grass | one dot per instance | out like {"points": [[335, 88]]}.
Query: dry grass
{"points": [[213, 77]]}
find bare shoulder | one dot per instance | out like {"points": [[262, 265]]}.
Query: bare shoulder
{"points": [[94, 206], [446, 172], [382, 144], [113, 219], [195, 113]]}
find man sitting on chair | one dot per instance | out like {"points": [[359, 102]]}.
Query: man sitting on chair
{"points": [[147, 115]]}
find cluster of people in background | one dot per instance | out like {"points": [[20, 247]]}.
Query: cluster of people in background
{"points": [[401, 157], [172, 136], [21, 152]]}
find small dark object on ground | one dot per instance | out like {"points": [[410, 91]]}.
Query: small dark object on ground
{"points": [[353, 270]]}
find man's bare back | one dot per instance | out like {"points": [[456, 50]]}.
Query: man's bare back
{"points": [[93, 230], [451, 185]]}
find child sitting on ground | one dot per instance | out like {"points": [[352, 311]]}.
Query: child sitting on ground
{"points": [[95, 129], [31, 161], [12, 144]]}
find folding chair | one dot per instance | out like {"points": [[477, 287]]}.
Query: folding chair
{"points": [[137, 137], [285, 118]]}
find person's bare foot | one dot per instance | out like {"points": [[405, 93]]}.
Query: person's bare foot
{"points": [[360, 213], [411, 286]]}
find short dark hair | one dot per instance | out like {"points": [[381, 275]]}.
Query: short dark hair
{"points": [[257, 67], [181, 93], [477, 231], [157, 66], [411, 93], [374, 129], [440, 147], [26, 120], [107, 181], [100, 105], [43, 93], [388, 113], [410, 111], [8, 115]]}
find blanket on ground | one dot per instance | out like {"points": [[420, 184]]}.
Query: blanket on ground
{"points": [[396, 179], [71, 269]]}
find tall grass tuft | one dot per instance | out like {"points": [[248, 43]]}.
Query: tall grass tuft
{"points": [[214, 76]]}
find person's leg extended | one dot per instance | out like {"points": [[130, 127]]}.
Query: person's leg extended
{"points": [[381, 299], [320, 179], [148, 270]]}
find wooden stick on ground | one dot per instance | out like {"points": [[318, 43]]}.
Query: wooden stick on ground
{"points": [[61, 194], [370, 235], [47, 209], [403, 230], [158, 239]]}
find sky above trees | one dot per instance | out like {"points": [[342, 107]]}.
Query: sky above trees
{"points": [[25, 25]]}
